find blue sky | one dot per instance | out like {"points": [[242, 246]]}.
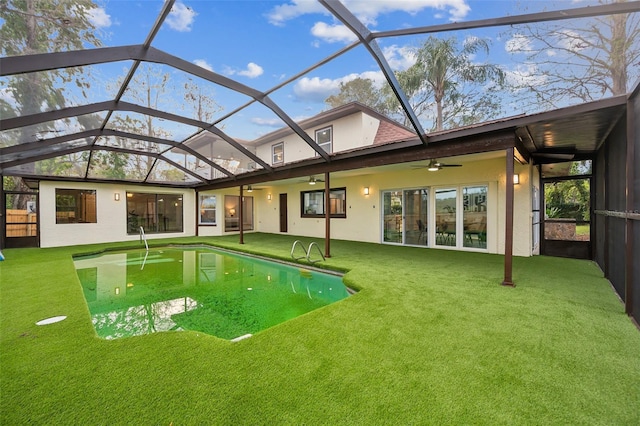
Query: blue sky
{"points": [[263, 43]]}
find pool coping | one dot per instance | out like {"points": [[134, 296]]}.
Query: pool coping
{"points": [[302, 266]]}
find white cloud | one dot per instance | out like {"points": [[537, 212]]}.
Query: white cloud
{"points": [[204, 64], [318, 89], [253, 70], [7, 96], [368, 11], [99, 18], [571, 40], [267, 122], [333, 33], [399, 58], [518, 43], [284, 12], [525, 75], [181, 17]]}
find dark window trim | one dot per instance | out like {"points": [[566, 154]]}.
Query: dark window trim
{"points": [[336, 216], [131, 230], [77, 220]]}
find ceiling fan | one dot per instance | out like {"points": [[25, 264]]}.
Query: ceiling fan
{"points": [[251, 188], [313, 180], [434, 165]]}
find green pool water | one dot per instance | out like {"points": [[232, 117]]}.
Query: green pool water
{"points": [[136, 292]]}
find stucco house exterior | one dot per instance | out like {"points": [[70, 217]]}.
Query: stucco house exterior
{"points": [[453, 208]]}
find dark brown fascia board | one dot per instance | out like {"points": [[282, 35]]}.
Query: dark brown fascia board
{"points": [[556, 15], [411, 151], [525, 120], [362, 32]]}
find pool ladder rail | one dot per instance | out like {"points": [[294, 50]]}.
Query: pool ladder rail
{"points": [[307, 251], [143, 238]]}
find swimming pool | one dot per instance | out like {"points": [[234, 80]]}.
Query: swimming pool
{"points": [[224, 294]]}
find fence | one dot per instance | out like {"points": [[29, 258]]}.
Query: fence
{"points": [[20, 223]]}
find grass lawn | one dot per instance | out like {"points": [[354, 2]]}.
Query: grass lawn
{"points": [[583, 229], [431, 338]]}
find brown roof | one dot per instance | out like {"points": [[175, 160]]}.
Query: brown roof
{"points": [[389, 132]]}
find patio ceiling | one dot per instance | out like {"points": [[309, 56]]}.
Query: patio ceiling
{"points": [[84, 139]]}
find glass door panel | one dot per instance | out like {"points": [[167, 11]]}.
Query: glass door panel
{"points": [[475, 216], [392, 217], [415, 216], [446, 201]]}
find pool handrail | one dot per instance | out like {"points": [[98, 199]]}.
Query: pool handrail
{"points": [[307, 251], [143, 237]]}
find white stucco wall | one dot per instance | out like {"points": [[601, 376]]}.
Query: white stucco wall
{"points": [[363, 221], [111, 215], [350, 132]]}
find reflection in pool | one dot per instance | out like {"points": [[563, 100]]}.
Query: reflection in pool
{"points": [[227, 295]]}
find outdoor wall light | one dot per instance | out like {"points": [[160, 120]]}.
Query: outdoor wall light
{"points": [[516, 179], [269, 197], [366, 190], [116, 196]]}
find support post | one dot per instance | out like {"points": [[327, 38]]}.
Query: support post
{"points": [[508, 231], [327, 215], [629, 223], [241, 215]]}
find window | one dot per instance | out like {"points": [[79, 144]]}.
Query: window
{"points": [[277, 153], [207, 210], [75, 206], [312, 203], [232, 212], [324, 138], [156, 213]]}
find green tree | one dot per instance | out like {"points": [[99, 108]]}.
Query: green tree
{"points": [[444, 87], [361, 90], [570, 198], [458, 83], [41, 26]]}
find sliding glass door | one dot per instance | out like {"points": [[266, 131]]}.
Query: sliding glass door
{"points": [[405, 216]]}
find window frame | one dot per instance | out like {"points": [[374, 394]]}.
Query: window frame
{"points": [[275, 155], [330, 142], [202, 210], [304, 210], [80, 212], [154, 215], [231, 221]]}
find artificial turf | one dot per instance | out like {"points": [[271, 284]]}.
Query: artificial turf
{"points": [[430, 338]]}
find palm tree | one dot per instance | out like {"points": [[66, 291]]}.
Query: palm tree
{"points": [[445, 68]]}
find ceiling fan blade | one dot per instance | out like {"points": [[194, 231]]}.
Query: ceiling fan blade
{"points": [[449, 165]]}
